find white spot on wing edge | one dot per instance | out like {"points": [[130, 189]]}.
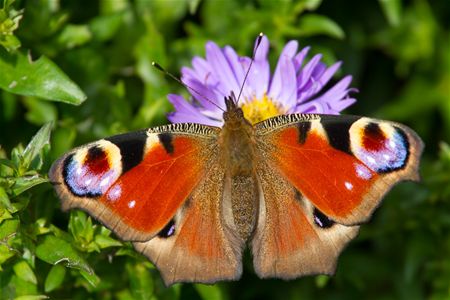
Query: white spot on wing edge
{"points": [[114, 193], [132, 203], [362, 171], [105, 181], [348, 185]]}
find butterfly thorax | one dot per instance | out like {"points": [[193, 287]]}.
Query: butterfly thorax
{"points": [[237, 146]]}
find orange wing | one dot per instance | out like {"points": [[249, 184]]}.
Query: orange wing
{"points": [[320, 176], [135, 182]]}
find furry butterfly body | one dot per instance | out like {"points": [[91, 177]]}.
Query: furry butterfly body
{"points": [[294, 188]]}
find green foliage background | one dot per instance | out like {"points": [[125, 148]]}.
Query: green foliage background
{"points": [[76, 71]]}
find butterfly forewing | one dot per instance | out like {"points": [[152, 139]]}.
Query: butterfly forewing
{"points": [[343, 164], [134, 183]]}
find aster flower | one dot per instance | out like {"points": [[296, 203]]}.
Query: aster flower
{"points": [[296, 86]]}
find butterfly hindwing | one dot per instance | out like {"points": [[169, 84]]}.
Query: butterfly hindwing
{"points": [[199, 246], [134, 183], [292, 237], [320, 176]]}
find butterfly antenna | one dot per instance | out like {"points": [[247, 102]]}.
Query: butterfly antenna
{"points": [[258, 42], [156, 65]]}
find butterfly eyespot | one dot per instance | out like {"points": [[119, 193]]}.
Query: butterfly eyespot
{"points": [[168, 230], [382, 147], [90, 172], [321, 220]]}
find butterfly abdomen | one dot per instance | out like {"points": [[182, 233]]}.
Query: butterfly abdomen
{"points": [[244, 196]]}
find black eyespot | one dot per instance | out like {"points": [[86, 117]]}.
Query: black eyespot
{"points": [[168, 230], [321, 220]]}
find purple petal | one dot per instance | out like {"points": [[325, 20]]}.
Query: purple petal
{"points": [[298, 59], [202, 69], [177, 117], [185, 112], [288, 94], [337, 92], [313, 86], [236, 66], [248, 91], [259, 76], [310, 108], [221, 68], [276, 84], [339, 106], [328, 74], [318, 70], [189, 74], [263, 49], [203, 94], [306, 71], [180, 104]]}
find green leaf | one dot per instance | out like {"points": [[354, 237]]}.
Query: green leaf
{"points": [[37, 143], [9, 22], [8, 228], [5, 254], [22, 184], [22, 287], [93, 279], [31, 297], [104, 27], [24, 272], [4, 214], [193, 5], [39, 111], [141, 281], [303, 5], [392, 11], [8, 163], [4, 199], [80, 226], [74, 35], [40, 78], [313, 24], [54, 250], [54, 278], [209, 292], [104, 241], [322, 280]]}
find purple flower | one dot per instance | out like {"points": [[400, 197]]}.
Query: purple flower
{"points": [[296, 86]]}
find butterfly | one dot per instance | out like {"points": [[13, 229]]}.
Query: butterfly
{"points": [[294, 188]]}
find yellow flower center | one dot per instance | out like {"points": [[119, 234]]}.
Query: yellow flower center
{"points": [[258, 110]]}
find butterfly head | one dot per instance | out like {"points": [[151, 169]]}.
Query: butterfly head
{"points": [[233, 115]]}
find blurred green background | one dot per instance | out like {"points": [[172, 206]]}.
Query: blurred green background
{"points": [[85, 67]]}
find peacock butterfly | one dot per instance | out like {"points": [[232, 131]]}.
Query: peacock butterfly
{"points": [[190, 197]]}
